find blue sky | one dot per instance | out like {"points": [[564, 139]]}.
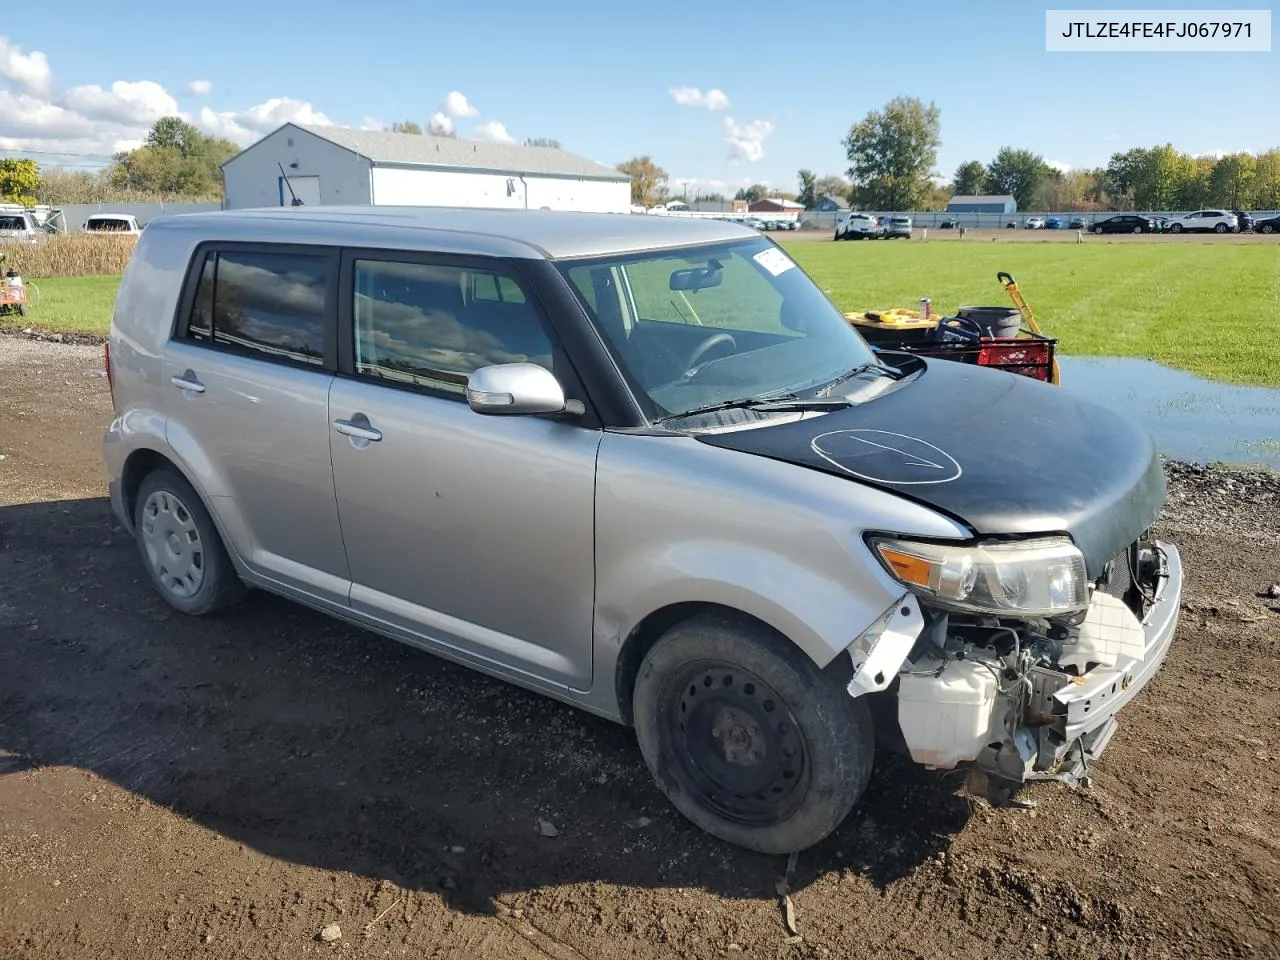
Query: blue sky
{"points": [[789, 80]]}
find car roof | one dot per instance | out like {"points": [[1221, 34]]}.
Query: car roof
{"points": [[529, 234]]}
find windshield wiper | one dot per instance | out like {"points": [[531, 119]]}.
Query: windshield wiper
{"points": [[775, 403], [857, 371]]}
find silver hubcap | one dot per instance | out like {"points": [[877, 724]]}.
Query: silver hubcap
{"points": [[172, 543]]}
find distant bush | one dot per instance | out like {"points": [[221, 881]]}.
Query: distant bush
{"points": [[74, 255]]}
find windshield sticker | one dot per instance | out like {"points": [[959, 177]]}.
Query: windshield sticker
{"points": [[883, 457], [774, 260]]}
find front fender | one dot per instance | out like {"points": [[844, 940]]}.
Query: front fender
{"points": [[816, 611]]}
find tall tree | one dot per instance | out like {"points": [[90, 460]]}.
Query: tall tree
{"points": [[19, 181], [1017, 173], [1267, 180], [408, 126], [648, 180], [175, 158], [969, 179], [752, 194], [1233, 181], [808, 184], [892, 154]]}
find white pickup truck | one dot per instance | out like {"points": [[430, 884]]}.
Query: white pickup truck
{"points": [[857, 226]]}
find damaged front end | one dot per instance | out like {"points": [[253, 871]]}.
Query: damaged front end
{"points": [[1008, 662]]}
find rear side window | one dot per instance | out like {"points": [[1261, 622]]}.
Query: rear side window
{"points": [[272, 304]]}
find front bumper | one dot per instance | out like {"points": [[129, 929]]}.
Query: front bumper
{"points": [[1081, 717]]}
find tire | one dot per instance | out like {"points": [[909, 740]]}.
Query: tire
{"points": [[1137, 229], [1098, 231], [1176, 228], [808, 745], [1220, 228], [1268, 229], [22, 309], [181, 549]]}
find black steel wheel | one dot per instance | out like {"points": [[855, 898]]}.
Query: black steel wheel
{"points": [[747, 738], [736, 743]]}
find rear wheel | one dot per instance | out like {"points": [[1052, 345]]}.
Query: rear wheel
{"points": [[747, 738], [1098, 231], [1268, 228], [180, 547], [1220, 228]]}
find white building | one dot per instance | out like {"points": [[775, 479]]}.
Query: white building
{"points": [[324, 165]]}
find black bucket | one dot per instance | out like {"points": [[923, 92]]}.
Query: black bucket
{"points": [[995, 321]]}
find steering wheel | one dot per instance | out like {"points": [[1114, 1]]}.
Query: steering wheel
{"points": [[714, 340]]}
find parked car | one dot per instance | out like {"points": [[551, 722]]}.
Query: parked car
{"points": [[1124, 223], [1217, 221], [18, 225], [1054, 223], [856, 226], [1243, 220], [1034, 223], [898, 227], [754, 223], [1270, 225], [494, 436], [950, 223], [1077, 223], [112, 224]]}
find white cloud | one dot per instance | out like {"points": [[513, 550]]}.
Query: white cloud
{"points": [[28, 70], [495, 131], [372, 123], [23, 115], [457, 105], [440, 125], [1059, 166], [713, 99], [200, 88], [245, 126], [746, 140], [697, 185], [139, 103]]}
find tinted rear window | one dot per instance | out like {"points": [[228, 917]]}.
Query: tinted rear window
{"points": [[273, 304]]}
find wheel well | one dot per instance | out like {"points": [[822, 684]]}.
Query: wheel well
{"points": [[647, 632], [138, 467]]}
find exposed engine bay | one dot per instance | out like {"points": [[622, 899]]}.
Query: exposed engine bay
{"points": [[1017, 700]]}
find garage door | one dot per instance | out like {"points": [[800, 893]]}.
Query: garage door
{"points": [[306, 189]]}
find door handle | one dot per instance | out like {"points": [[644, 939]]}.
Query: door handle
{"points": [[349, 429], [187, 381]]}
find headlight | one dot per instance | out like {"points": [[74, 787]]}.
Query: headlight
{"points": [[1023, 578]]}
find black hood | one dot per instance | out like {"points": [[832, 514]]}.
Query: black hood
{"points": [[999, 452]]}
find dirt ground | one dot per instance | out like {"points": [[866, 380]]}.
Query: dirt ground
{"points": [[190, 788]]}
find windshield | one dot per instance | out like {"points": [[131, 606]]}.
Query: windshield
{"points": [[708, 324]]}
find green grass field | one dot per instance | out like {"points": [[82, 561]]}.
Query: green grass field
{"points": [[1212, 310], [67, 305]]}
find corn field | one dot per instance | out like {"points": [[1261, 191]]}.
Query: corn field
{"points": [[75, 255]]}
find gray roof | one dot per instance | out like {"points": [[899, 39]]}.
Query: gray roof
{"points": [[528, 234], [982, 198], [421, 149]]}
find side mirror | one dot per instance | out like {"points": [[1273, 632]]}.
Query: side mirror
{"points": [[515, 388]]}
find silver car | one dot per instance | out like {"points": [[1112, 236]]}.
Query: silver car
{"points": [[642, 465]]}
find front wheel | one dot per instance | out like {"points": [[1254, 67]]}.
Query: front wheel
{"points": [[1176, 228], [747, 738]]}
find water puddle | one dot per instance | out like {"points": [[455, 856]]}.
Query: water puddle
{"points": [[1191, 418]]}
